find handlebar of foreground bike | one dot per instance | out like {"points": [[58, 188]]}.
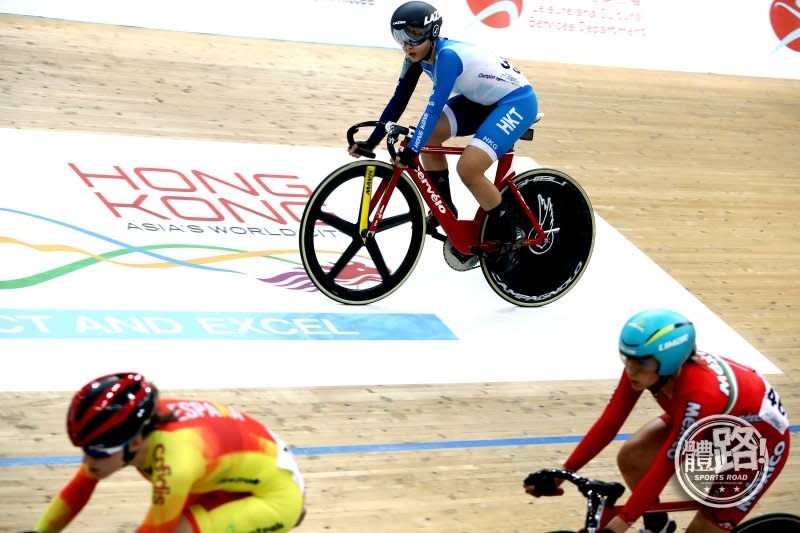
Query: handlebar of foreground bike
{"points": [[393, 133], [592, 489]]}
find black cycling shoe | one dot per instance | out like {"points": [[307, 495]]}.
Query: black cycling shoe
{"points": [[508, 256]]}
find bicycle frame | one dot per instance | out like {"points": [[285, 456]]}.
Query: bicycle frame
{"points": [[602, 498], [667, 507], [551, 212], [770, 522], [464, 234]]}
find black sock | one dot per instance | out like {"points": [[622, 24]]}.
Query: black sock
{"points": [[508, 230], [441, 179], [655, 521]]}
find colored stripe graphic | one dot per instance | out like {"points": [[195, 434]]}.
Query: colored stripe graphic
{"points": [[95, 258], [290, 276]]}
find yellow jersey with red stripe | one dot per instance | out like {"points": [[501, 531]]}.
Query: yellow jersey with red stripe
{"points": [[208, 448]]}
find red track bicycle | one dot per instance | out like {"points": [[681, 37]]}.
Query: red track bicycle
{"points": [[363, 229], [602, 497]]}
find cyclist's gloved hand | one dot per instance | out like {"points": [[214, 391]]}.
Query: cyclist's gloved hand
{"points": [[407, 158], [360, 148], [538, 484]]}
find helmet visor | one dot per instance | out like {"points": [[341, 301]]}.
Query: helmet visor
{"points": [[98, 451], [410, 35]]}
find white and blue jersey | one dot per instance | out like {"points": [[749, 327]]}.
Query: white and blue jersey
{"points": [[491, 98]]}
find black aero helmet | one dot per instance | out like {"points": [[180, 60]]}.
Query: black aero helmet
{"points": [[415, 22]]}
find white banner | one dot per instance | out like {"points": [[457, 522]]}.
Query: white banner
{"points": [[752, 38], [180, 259]]}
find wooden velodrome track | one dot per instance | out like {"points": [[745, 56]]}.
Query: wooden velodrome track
{"points": [[699, 171]]}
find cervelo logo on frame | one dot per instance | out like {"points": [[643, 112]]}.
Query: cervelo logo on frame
{"points": [[496, 13], [785, 19]]}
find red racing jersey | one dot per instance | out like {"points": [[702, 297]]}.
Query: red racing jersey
{"points": [[706, 385]]}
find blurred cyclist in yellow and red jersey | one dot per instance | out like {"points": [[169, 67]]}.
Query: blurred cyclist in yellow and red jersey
{"points": [[212, 468]]}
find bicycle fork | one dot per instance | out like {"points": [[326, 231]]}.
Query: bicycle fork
{"points": [[369, 202]]}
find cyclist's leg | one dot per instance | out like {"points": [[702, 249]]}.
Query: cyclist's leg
{"points": [[471, 168], [278, 508], [511, 117], [500, 129], [442, 132], [638, 452], [436, 164], [635, 457], [460, 117]]}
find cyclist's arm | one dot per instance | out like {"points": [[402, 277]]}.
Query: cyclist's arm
{"points": [[448, 66], [409, 77], [68, 503], [689, 407], [606, 427]]}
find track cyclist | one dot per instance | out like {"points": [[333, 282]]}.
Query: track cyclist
{"points": [[658, 351], [212, 468], [492, 100]]}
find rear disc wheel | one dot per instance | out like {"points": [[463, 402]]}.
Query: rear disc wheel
{"points": [[545, 272]]}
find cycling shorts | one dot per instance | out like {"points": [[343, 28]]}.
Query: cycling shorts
{"points": [[495, 127]]}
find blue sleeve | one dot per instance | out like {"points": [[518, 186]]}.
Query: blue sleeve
{"points": [[447, 69], [397, 104]]}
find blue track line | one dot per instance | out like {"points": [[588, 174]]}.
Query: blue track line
{"points": [[362, 448]]}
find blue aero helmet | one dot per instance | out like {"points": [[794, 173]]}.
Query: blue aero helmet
{"points": [[667, 336]]}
